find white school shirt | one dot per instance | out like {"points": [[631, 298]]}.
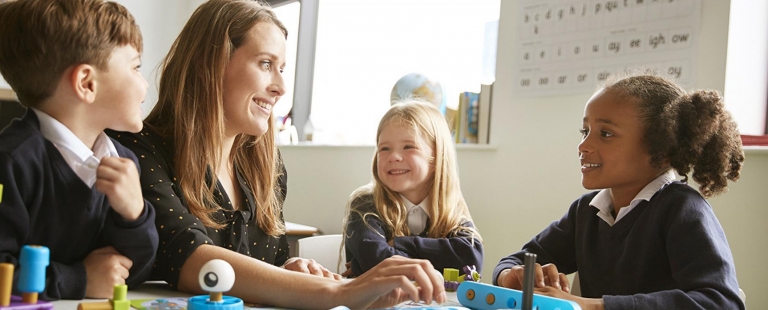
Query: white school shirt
{"points": [[602, 201], [78, 156], [417, 215]]}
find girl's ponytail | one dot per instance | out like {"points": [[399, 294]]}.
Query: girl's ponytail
{"points": [[708, 142]]}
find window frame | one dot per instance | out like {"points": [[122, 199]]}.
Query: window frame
{"points": [[305, 62]]}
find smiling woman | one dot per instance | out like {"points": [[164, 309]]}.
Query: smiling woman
{"points": [[212, 170]]}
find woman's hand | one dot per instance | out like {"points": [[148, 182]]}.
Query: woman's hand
{"points": [[393, 281], [309, 266], [544, 276]]}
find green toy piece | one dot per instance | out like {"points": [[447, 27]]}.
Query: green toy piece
{"points": [[119, 298]]}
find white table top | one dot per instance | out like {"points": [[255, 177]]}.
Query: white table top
{"points": [[159, 289]]}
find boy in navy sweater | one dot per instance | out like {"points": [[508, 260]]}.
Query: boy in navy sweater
{"points": [[65, 184]]}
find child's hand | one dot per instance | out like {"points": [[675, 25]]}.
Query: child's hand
{"points": [[309, 266], [105, 268], [118, 179], [546, 275], [347, 273]]}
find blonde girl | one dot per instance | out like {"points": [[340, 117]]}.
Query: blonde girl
{"points": [[413, 207]]}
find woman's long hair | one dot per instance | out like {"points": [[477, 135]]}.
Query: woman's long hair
{"points": [[190, 111]]}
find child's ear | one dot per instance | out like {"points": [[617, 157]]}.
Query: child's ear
{"points": [[83, 79]]}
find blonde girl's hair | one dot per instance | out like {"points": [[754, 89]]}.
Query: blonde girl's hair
{"points": [[448, 210], [190, 111]]}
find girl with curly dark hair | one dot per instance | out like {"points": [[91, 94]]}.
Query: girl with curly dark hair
{"points": [[644, 240]]}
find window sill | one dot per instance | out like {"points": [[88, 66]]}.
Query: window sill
{"points": [[755, 149], [477, 147], [459, 147]]}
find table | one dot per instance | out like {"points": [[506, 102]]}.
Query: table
{"points": [[159, 289], [148, 290], [294, 232]]}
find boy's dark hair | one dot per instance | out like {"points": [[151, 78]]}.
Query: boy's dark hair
{"points": [[40, 39], [690, 131]]}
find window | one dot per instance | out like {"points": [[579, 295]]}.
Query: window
{"points": [[746, 74], [288, 14], [364, 47]]}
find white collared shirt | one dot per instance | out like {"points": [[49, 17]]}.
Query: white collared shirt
{"points": [[78, 156], [602, 200], [417, 215]]}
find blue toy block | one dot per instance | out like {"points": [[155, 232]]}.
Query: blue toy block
{"points": [[202, 302], [482, 296], [33, 261]]}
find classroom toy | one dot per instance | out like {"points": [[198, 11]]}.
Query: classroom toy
{"points": [[119, 301], [529, 264], [470, 274], [216, 277], [482, 296], [32, 263], [451, 278]]}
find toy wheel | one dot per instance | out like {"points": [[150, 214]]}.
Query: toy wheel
{"points": [[490, 299]]}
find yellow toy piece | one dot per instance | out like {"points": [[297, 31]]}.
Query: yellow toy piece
{"points": [[450, 274], [119, 301]]}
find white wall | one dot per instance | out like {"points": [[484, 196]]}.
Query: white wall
{"points": [[160, 22], [532, 176]]}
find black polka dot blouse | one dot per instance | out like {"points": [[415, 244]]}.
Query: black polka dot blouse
{"points": [[181, 232]]}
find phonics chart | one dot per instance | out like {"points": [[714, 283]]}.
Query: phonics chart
{"points": [[570, 46]]}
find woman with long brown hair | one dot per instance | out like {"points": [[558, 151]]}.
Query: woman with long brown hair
{"points": [[211, 168]]}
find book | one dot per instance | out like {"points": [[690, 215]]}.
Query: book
{"points": [[466, 127], [470, 134], [458, 131], [484, 114]]}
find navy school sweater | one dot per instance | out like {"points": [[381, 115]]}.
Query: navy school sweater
{"points": [[667, 253], [366, 245], [45, 203]]}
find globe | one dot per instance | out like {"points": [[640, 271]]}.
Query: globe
{"points": [[416, 85]]}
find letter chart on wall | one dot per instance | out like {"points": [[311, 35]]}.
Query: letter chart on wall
{"points": [[567, 47]]}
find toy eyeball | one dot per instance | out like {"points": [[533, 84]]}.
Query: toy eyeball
{"points": [[216, 276]]}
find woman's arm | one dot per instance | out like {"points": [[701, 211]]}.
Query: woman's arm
{"points": [[258, 282]]}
